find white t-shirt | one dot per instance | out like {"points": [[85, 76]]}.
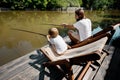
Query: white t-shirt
{"points": [[59, 43], [84, 28]]}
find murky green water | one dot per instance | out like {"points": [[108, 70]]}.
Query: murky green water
{"points": [[14, 43]]}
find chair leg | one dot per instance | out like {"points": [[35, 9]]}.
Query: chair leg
{"points": [[70, 71], [67, 65]]}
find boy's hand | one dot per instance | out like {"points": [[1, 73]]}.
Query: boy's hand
{"points": [[48, 38], [69, 47]]}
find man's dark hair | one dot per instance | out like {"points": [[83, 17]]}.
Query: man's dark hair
{"points": [[80, 13]]}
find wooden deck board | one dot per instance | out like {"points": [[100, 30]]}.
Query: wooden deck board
{"points": [[15, 67], [104, 66], [28, 74], [113, 72]]}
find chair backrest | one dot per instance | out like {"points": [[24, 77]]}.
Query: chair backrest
{"points": [[47, 51], [92, 48]]}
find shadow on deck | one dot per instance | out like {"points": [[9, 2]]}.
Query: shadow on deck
{"points": [[45, 73]]}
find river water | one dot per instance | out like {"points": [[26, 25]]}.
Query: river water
{"points": [[16, 43]]}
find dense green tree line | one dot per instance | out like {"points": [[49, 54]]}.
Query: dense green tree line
{"points": [[38, 4], [54, 4], [101, 4]]}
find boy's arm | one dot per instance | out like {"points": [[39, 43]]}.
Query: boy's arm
{"points": [[53, 48], [48, 38], [52, 45]]}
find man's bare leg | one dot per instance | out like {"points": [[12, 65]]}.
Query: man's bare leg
{"points": [[74, 37]]}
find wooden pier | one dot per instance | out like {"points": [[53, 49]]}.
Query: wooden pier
{"points": [[29, 67]]}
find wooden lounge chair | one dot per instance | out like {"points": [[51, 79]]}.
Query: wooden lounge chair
{"points": [[92, 49], [81, 52]]}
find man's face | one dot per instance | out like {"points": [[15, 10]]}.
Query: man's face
{"points": [[76, 16]]}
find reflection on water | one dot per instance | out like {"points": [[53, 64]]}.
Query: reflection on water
{"points": [[7, 54], [14, 44]]}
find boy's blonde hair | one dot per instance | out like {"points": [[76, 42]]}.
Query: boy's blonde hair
{"points": [[53, 32]]}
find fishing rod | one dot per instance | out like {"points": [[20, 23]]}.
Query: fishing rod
{"points": [[29, 31], [51, 24]]}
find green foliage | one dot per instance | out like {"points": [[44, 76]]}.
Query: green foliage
{"points": [[100, 4], [23, 4], [54, 4], [62, 3], [74, 2]]}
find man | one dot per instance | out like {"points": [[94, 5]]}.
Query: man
{"points": [[83, 25]]}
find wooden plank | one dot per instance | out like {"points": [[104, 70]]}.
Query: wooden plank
{"points": [[113, 72], [76, 70], [17, 66], [88, 73], [104, 66], [27, 74]]}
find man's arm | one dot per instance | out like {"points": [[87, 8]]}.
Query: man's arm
{"points": [[70, 26]]}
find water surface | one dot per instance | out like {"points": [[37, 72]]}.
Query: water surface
{"points": [[14, 43]]}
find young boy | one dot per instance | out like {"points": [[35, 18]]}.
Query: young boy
{"points": [[58, 44]]}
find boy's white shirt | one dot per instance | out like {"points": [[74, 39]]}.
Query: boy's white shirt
{"points": [[84, 28], [59, 43]]}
